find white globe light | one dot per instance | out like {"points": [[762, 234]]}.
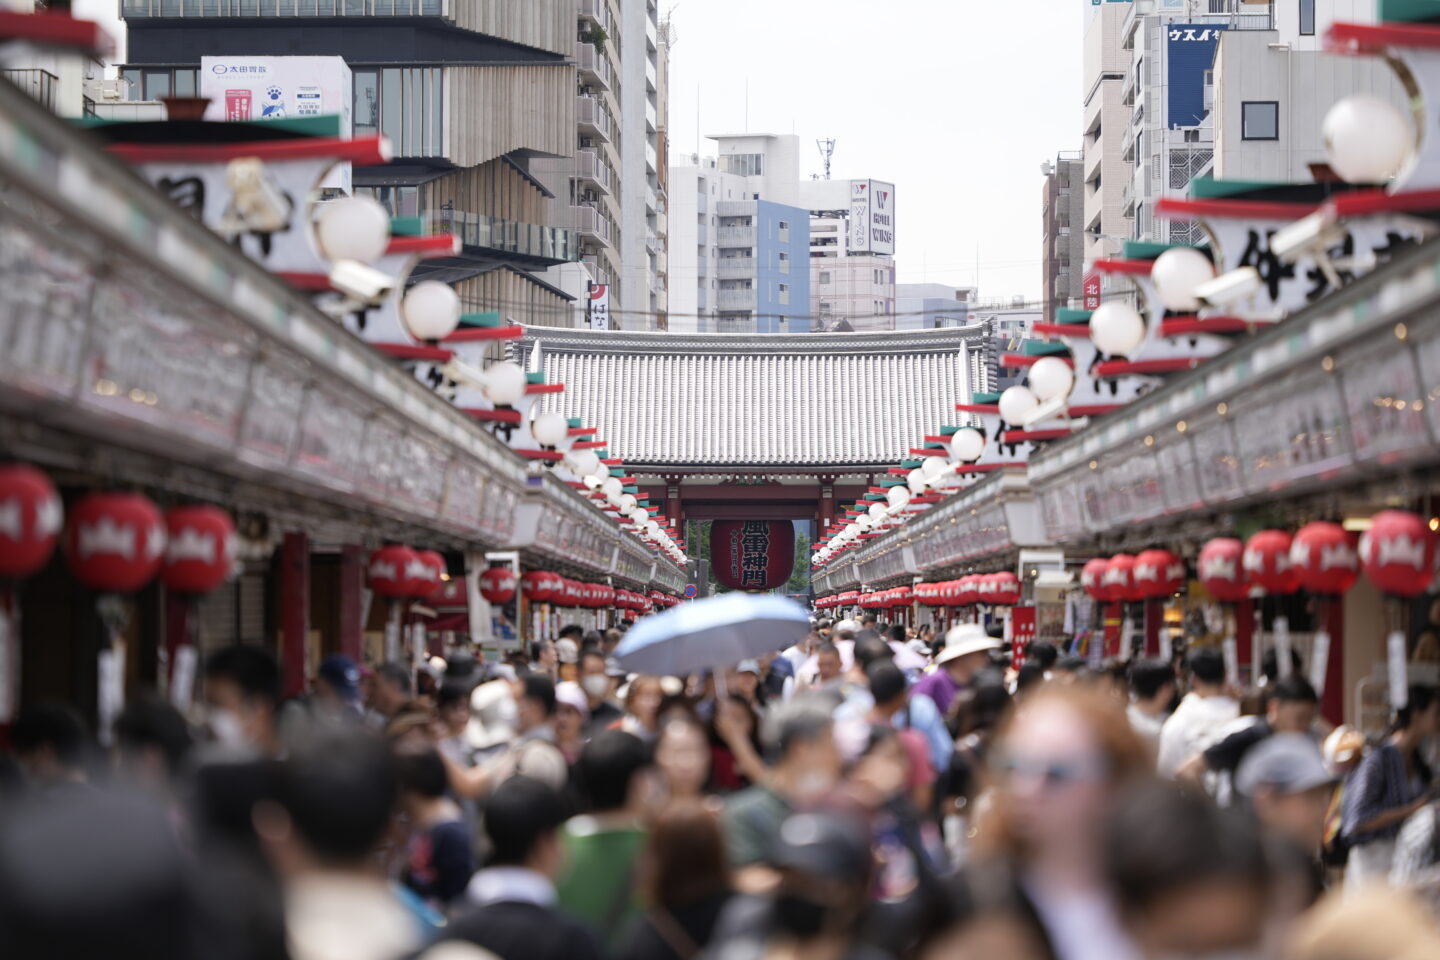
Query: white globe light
{"points": [[652, 528], [1051, 378], [932, 468], [1366, 139], [592, 482], [586, 462], [628, 504], [1177, 273], [353, 228], [1015, 405], [898, 496], [1117, 329], [915, 480], [430, 310], [968, 444], [877, 512], [864, 523], [550, 429], [504, 384], [612, 488]]}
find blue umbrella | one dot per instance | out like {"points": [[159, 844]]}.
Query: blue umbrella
{"points": [[716, 632]]}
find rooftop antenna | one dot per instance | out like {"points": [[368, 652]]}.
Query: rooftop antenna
{"points": [[827, 149]]}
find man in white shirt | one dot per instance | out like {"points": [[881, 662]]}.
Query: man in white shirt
{"points": [[1152, 689], [1198, 719]]}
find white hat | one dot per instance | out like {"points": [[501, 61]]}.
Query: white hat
{"points": [[571, 695], [567, 650], [492, 715], [965, 639]]}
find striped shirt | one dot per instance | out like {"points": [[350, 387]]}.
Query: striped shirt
{"points": [[1379, 784]]}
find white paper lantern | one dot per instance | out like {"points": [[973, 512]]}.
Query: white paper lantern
{"points": [[864, 523], [915, 480], [550, 429], [504, 384], [1177, 273], [592, 482], [628, 504], [430, 310], [353, 228], [1117, 329], [1051, 378], [585, 462], [932, 468], [898, 497], [877, 512], [968, 444], [1015, 405], [1366, 139], [612, 488]]}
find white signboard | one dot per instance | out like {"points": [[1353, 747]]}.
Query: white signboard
{"points": [[276, 88], [859, 216], [598, 315], [882, 218]]}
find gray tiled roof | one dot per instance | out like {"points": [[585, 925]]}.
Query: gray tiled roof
{"points": [[758, 400]]}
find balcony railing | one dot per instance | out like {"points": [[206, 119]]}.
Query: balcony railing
{"points": [[595, 10], [508, 236], [591, 222], [652, 241], [735, 236], [40, 84], [588, 166], [593, 62], [741, 299], [591, 116], [286, 8], [652, 163], [735, 268]]}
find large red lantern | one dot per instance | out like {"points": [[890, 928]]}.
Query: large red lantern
{"points": [[432, 581], [984, 588], [1325, 558], [1120, 578], [1157, 573], [31, 517], [1007, 589], [1092, 578], [1398, 553], [1221, 568], [539, 585], [752, 554], [1267, 562], [497, 585], [115, 542], [964, 591], [391, 569], [200, 549]]}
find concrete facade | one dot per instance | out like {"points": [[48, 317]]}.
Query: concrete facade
{"points": [[1062, 239], [1105, 172], [932, 306], [857, 292]]}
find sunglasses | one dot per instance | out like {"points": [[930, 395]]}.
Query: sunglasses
{"points": [[1052, 772]]}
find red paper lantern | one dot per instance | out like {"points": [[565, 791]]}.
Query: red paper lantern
{"points": [[1157, 573], [1267, 562], [31, 518], [1325, 558], [497, 585], [200, 549], [115, 542], [1092, 579], [539, 585], [433, 581], [1221, 569], [1398, 553], [984, 588], [752, 554], [1120, 578], [391, 569], [1007, 589]]}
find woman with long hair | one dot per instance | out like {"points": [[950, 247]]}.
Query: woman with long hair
{"points": [[1037, 881], [685, 882], [1392, 783]]}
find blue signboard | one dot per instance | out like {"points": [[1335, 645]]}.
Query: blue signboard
{"points": [[1189, 53]]}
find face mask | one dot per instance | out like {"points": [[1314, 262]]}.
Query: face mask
{"points": [[226, 729], [799, 915], [595, 685]]}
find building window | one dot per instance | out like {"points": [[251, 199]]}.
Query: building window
{"points": [[825, 308], [784, 293], [744, 164], [825, 278], [1260, 120], [784, 262], [404, 105], [1307, 18]]}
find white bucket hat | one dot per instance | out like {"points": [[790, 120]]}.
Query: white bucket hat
{"points": [[965, 639]]}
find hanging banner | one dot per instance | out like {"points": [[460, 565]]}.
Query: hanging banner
{"points": [[752, 554], [597, 313], [1091, 291], [1022, 633]]}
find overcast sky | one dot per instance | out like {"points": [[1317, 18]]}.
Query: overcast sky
{"points": [[957, 102]]}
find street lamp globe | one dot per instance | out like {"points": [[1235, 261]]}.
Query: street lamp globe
{"points": [[932, 468], [353, 228], [430, 310], [1177, 273], [612, 488], [915, 480], [968, 444], [1117, 329], [1366, 139], [504, 384], [1051, 378], [864, 523], [591, 481], [877, 512], [1016, 403], [585, 462], [550, 429], [628, 504], [898, 497]]}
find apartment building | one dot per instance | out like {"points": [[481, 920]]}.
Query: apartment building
{"points": [[1063, 243]]}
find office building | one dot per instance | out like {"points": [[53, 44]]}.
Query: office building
{"points": [[1063, 242], [852, 246], [1106, 119], [931, 306]]}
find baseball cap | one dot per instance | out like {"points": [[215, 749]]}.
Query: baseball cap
{"points": [[567, 650], [965, 639], [341, 673], [571, 695], [1284, 762], [748, 666]]}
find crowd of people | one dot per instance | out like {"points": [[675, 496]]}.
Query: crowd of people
{"points": [[871, 792]]}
